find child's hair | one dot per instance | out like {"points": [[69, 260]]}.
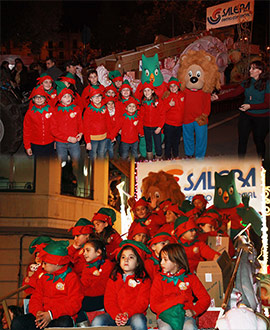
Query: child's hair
{"points": [[98, 244], [139, 272], [106, 234], [176, 253], [90, 71]]}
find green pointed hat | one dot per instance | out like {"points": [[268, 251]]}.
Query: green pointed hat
{"points": [[175, 81], [115, 75], [161, 237], [69, 77], [62, 89], [105, 214], [41, 240], [56, 253], [82, 226], [44, 76], [183, 224], [141, 248]]}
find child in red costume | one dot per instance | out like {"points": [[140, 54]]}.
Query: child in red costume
{"points": [[37, 137], [196, 251], [199, 202], [94, 277], [97, 124], [103, 222], [69, 80], [127, 293], [173, 291], [81, 232], [47, 82], [172, 212], [125, 92], [143, 215], [130, 125], [34, 270], [156, 244], [153, 117], [92, 83], [209, 225], [66, 125], [117, 79], [110, 102], [139, 233], [58, 295], [174, 113]]}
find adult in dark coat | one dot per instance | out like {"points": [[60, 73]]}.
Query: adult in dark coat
{"points": [[70, 67], [52, 69]]}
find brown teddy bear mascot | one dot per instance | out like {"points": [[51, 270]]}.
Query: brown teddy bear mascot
{"points": [[199, 76]]}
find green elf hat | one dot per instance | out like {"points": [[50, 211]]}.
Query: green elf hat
{"points": [[68, 77], [55, 253], [115, 75], [175, 81], [38, 90], [174, 316], [39, 243], [161, 237], [141, 248], [95, 91], [44, 76], [83, 226], [105, 214], [62, 89], [125, 84], [183, 224]]}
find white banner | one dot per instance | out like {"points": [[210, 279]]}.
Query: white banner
{"points": [[198, 177], [229, 13]]}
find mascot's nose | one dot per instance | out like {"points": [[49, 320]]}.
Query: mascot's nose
{"points": [[225, 197], [193, 80], [152, 77]]}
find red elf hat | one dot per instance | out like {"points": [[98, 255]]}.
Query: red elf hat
{"points": [[201, 198], [183, 224], [173, 80], [43, 77], [141, 248], [138, 229], [161, 237], [125, 84], [105, 214], [109, 98], [174, 208], [39, 90], [55, 253], [95, 91], [110, 87], [131, 100], [39, 243], [68, 77], [82, 226], [140, 202]]}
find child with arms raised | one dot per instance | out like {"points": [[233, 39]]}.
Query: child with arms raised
{"points": [[127, 292], [173, 291]]}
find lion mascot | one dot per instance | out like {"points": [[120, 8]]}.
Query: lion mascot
{"points": [[199, 76]]}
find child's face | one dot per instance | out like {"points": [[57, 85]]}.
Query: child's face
{"points": [[111, 93], [198, 204], [128, 261], [207, 227], [131, 108], [96, 99], [148, 92], [90, 253], [141, 237], [37, 260], [39, 99], [66, 83], [99, 226], [170, 216], [118, 83], [110, 105], [167, 265], [93, 78], [141, 211], [50, 268], [125, 92], [189, 235], [47, 84], [173, 88], [158, 246], [80, 240], [66, 99]]}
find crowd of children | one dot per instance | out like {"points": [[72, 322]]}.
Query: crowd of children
{"points": [[111, 121], [119, 279]]}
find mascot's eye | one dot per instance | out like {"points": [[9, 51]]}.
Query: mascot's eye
{"points": [[231, 190], [157, 195], [198, 74], [156, 72], [220, 191], [147, 73], [190, 74]]}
